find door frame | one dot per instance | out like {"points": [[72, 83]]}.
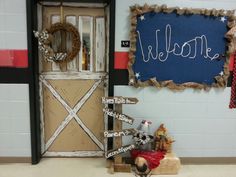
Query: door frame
{"points": [[32, 24]]}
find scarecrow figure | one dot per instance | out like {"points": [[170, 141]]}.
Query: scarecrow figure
{"points": [[163, 141]]}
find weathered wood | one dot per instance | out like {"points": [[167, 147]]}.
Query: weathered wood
{"points": [[119, 151], [73, 75], [117, 140], [170, 165], [71, 14], [125, 168], [55, 19], [119, 100], [118, 116], [75, 154], [74, 4], [124, 132], [41, 118], [100, 44]]}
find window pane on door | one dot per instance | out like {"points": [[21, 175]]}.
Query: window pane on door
{"points": [[86, 34]]}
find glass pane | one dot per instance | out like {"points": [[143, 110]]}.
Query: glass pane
{"points": [[86, 30]]}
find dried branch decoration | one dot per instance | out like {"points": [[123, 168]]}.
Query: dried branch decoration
{"points": [[45, 39]]}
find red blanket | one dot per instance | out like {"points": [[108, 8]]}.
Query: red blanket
{"points": [[153, 158]]}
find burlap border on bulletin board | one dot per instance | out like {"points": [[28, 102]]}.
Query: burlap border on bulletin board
{"points": [[221, 81]]}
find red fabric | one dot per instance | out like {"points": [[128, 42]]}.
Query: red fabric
{"points": [[231, 62], [13, 58], [121, 60], [232, 103], [152, 157]]}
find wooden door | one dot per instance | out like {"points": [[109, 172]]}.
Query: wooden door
{"points": [[71, 110]]}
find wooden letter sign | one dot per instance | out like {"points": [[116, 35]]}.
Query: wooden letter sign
{"points": [[119, 100], [120, 150], [118, 116], [125, 132]]}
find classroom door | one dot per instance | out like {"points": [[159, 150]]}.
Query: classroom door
{"points": [[72, 120]]}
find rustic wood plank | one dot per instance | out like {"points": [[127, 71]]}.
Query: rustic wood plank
{"points": [[118, 140], [73, 75], [75, 4], [55, 19], [118, 116], [42, 130], [120, 150], [100, 44], [75, 154], [119, 100], [124, 132]]}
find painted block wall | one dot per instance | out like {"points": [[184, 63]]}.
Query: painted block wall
{"points": [[14, 98], [14, 121], [13, 34], [200, 122]]}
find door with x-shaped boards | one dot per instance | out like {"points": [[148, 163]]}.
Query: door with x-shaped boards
{"points": [[70, 93]]}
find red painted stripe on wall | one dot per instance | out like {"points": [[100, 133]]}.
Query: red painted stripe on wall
{"points": [[121, 60], [14, 58]]}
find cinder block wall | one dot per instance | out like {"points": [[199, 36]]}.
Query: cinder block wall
{"points": [[14, 98], [14, 121], [200, 122]]}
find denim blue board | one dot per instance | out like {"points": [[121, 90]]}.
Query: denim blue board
{"points": [[182, 48]]}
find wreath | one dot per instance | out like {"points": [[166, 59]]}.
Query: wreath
{"points": [[45, 39]]}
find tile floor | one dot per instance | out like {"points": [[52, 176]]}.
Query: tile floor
{"points": [[73, 167]]}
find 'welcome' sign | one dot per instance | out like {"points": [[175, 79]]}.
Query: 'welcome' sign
{"points": [[178, 50]]}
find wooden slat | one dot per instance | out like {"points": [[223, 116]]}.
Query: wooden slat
{"points": [[124, 132], [119, 100], [118, 140], [100, 44], [55, 19], [42, 118], [75, 4], [71, 66], [118, 151], [118, 116], [75, 154], [73, 75]]}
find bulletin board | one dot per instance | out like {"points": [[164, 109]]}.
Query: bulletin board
{"points": [[179, 48]]}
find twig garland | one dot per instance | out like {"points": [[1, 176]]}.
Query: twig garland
{"points": [[136, 10], [45, 40]]}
